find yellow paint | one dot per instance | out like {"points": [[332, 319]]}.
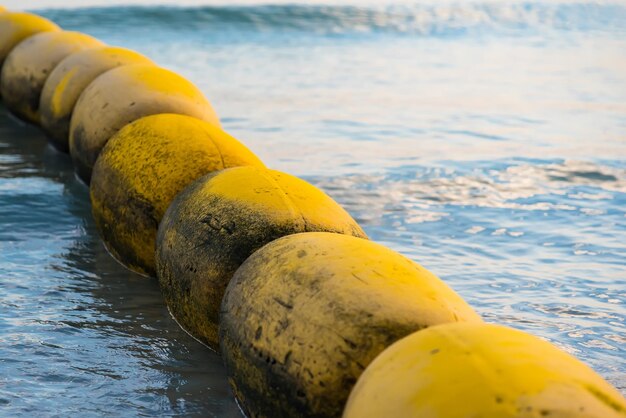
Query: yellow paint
{"points": [[123, 95], [140, 171], [56, 105], [30, 63], [15, 27], [304, 315], [69, 79], [218, 221], [480, 370]]}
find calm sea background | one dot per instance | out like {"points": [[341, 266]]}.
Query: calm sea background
{"points": [[484, 140]]}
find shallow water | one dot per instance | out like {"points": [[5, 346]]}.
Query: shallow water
{"points": [[484, 140]]}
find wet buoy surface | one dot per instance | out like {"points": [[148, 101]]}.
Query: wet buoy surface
{"points": [[219, 221], [29, 64], [140, 171], [304, 315], [123, 95], [471, 370], [15, 27], [68, 80]]}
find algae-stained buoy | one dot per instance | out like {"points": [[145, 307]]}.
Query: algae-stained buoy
{"points": [[30, 63], [15, 27], [123, 95], [218, 221], [68, 80], [304, 315], [140, 171], [472, 370]]}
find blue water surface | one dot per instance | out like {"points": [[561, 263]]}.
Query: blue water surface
{"points": [[484, 140]]}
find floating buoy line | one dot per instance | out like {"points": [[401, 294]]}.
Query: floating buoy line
{"points": [[312, 319]]}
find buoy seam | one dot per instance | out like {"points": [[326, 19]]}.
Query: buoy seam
{"points": [[293, 208], [604, 398], [219, 150]]}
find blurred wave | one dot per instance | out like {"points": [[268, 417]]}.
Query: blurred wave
{"points": [[420, 19]]}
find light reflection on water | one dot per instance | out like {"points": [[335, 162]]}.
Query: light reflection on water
{"points": [[491, 151], [534, 244], [79, 334]]}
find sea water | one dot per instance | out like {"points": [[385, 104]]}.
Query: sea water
{"points": [[484, 140]]}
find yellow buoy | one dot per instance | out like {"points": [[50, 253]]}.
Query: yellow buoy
{"points": [[140, 171], [123, 95], [304, 315], [15, 27], [30, 63], [67, 82], [480, 370], [217, 222]]}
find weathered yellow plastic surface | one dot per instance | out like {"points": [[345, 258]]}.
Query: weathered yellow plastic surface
{"points": [[29, 64], [123, 95], [217, 222], [304, 315], [480, 370], [140, 171], [68, 80], [15, 27]]}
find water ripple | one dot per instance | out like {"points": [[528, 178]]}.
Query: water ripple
{"points": [[534, 244]]}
